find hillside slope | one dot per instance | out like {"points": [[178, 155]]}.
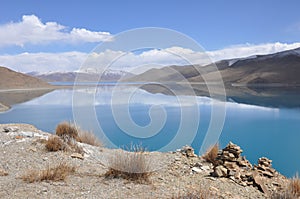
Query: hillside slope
{"points": [[10, 79], [279, 68]]}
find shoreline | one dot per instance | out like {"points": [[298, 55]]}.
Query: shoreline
{"points": [[267, 96], [175, 174]]}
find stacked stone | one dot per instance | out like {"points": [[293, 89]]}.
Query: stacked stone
{"points": [[264, 167], [188, 151], [229, 161], [231, 164]]}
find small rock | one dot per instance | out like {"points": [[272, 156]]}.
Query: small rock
{"points": [[3, 172], [220, 171], [258, 180], [231, 172], [243, 183], [27, 134], [19, 137], [44, 189], [33, 149], [45, 158], [10, 129], [188, 151], [77, 155], [213, 189], [205, 167], [268, 174], [231, 165], [211, 178], [177, 159], [196, 170]]}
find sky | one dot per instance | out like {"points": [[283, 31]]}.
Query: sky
{"points": [[59, 35]]}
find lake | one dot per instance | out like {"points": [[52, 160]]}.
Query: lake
{"points": [[121, 115]]}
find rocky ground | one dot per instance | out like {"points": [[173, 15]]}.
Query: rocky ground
{"points": [[174, 173]]}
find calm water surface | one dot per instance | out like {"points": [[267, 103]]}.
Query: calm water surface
{"points": [[260, 131]]}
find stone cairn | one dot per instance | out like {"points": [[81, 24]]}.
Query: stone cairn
{"points": [[230, 164], [188, 151], [264, 167]]}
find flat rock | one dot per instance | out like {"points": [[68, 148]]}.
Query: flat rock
{"points": [[197, 170], [260, 183], [10, 129], [220, 171], [77, 155], [26, 134]]}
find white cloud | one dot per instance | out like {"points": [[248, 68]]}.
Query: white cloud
{"points": [[249, 50], [43, 62], [31, 30], [70, 61]]}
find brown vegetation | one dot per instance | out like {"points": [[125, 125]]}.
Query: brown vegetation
{"points": [[129, 165], [294, 186], [89, 138], [55, 143], [57, 173], [211, 154], [292, 191], [67, 131]]}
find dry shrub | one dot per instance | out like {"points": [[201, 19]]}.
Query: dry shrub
{"points": [[292, 190], [211, 154], [55, 143], [67, 131], [294, 186], [132, 166], [89, 138], [75, 148], [57, 173]]}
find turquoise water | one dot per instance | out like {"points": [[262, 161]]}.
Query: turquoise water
{"points": [[260, 131]]}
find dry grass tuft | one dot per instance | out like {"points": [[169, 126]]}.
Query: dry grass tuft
{"points": [[132, 166], [211, 154], [294, 186], [292, 191], [55, 143], [89, 138], [67, 131], [58, 173]]}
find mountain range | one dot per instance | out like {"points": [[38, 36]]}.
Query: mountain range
{"points": [[267, 80], [108, 75], [264, 80], [279, 69]]}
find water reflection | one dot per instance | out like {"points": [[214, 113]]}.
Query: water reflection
{"points": [[260, 131]]}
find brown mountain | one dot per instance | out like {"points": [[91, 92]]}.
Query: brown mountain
{"points": [[267, 80], [279, 69], [10, 79]]}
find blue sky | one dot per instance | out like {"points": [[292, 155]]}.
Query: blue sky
{"points": [[216, 25]]}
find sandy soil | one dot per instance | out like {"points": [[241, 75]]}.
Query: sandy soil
{"points": [[22, 151]]}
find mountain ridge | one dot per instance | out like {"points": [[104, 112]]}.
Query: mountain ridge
{"points": [[269, 68], [108, 75], [10, 79]]}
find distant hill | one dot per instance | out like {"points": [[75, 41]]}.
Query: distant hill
{"points": [[281, 68], [10, 79], [265, 80], [109, 75]]}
